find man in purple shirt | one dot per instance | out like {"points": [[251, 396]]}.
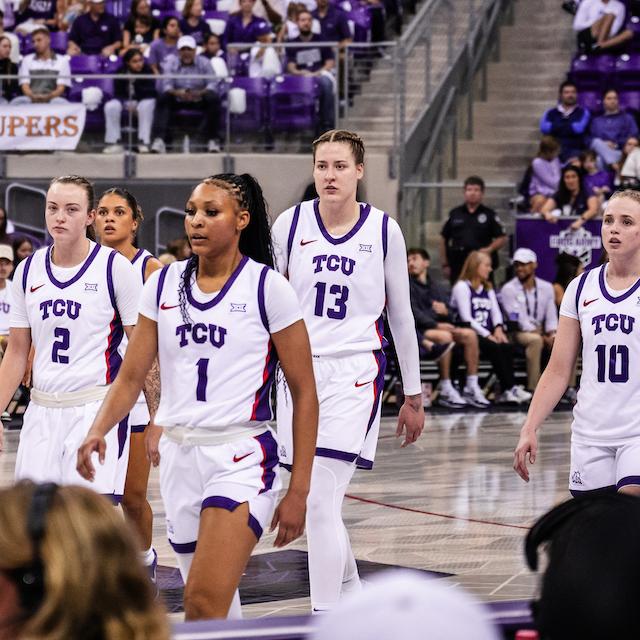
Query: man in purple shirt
{"points": [[317, 62], [95, 32], [187, 92], [334, 26]]}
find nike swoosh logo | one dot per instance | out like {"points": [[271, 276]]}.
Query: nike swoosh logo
{"points": [[303, 242], [36, 288], [362, 384], [164, 306], [586, 303], [238, 458]]}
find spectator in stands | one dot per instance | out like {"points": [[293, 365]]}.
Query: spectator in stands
{"points": [[433, 323], [629, 173], [599, 25], [95, 32], [180, 248], [13, 39], [138, 96], [216, 56], [475, 302], [611, 130], [44, 61], [596, 183], [167, 258], [32, 13], [289, 29], [245, 27], [334, 26], [529, 302], [545, 173], [69, 568], [9, 86], [273, 11], [571, 199], [5, 232], [22, 249], [164, 46], [193, 23], [141, 27], [68, 11], [187, 93], [469, 227], [318, 62], [567, 122], [568, 268], [6, 267]]}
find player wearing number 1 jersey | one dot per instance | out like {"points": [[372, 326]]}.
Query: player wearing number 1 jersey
{"points": [[601, 309], [347, 263], [73, 301]]}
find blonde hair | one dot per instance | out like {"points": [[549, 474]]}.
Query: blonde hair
{"points": [[342, 135], [631, 194], [95, 586], [470, 268]]}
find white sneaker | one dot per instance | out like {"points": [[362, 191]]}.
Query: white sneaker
{"points": [[158, 146], [213, 146], [143, 148], [508, 397], [474, 396], [521, 393], [113, 148], [6, 416], [449, 397]]}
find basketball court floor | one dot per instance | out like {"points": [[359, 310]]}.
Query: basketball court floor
{"points": [[449, 505]]}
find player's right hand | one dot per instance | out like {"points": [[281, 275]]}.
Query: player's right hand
{"points": [[152, 436], [528, 444], [90, 445]]}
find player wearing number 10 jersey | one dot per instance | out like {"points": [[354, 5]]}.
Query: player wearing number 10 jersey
{"points": [[601, 308]]}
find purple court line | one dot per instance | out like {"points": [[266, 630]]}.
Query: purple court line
{"points": [[432, 513]]}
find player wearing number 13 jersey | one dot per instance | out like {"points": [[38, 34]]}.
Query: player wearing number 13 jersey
{"points": [[347, 262], [601, 308]]}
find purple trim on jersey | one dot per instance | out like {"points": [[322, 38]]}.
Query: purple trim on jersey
{"points": [[364, 214], [204, 306], [270, 459], [287, 467], [112, 357], [138, 254], [378, 386], [323, 452], [87, 263], [628, 480], [610, 298], [183, 547], [577, 493], [384, 343], [138, 428], [110, 287], [583, 279], [145, 262], [292, 230], [161, 279], [221, 502], [261, 409], [123, 430], [26, 272], [261, 304], [363, 463], [385, 234], [116, 498]]}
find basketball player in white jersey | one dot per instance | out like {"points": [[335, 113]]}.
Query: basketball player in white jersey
{"points": [[601, 307], [218, 322], [347, 262], [72, 301], [118, 219]]}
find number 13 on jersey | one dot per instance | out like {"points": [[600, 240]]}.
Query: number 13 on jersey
{"points": [[336, 308]]}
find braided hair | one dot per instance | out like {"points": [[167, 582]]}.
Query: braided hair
{"points": [[255, 238]]}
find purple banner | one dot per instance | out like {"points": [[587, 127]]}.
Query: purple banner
{"points": [[548, 239]]}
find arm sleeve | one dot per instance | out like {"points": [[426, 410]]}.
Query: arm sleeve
{"points": [[446, 229], [545, 123], [568, 305], [65, 72], [461, 300], [280, 239], [496, 314], [497, 230], [127, 288], [580, 126], [619, 12], [149, 298], [550, 312], [18, 317], [583, 18], [399, 313], [281, 303], [23, 73]]}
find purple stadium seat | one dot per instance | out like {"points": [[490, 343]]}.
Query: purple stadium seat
{"points": [[630, 100], [293, 103], [217, 20], [591, 100], [634, 24], [628, 72], [95, 118], [255, 117], [210, 5], [86, 64], [592, 73], [111, 66]]}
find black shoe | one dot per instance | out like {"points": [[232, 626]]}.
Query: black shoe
{"points": [[570, 6], [438, 350]]}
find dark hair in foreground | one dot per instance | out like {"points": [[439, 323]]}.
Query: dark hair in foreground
{"points": [[590, 589], [567, 270], [255, 239]]}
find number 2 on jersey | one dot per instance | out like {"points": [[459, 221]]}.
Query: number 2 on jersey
{"points": [[339, 309], [618, 363], [61, 343]]}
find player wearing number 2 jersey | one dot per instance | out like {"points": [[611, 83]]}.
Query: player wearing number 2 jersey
{"points": [[218, 323], [347, 262], [72, 301], [601, 309]]}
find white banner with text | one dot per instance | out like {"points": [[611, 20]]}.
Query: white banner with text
{"points": [[41, 127]]}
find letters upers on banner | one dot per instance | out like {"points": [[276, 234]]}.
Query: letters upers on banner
{"points": [[41, 127]]}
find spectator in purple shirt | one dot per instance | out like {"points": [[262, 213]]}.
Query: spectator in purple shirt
{"points": [[317, 62], [611, 130], [166, 45], [545, 173], [596, 182], [95, 32], [245, 27], [334, 26], [193, 23], [34, 12]]}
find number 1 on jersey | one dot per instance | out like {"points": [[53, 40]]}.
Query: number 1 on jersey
{"points": [[203, 379]]}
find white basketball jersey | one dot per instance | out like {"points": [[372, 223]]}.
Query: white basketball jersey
{"points": [[339, 281], [607, 410], [5, 309], [217, 365], [75, 325]]}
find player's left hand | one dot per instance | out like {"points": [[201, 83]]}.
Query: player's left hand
{"points": [[410, 419], [151, 442], [92, 444], [290, 516]]}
